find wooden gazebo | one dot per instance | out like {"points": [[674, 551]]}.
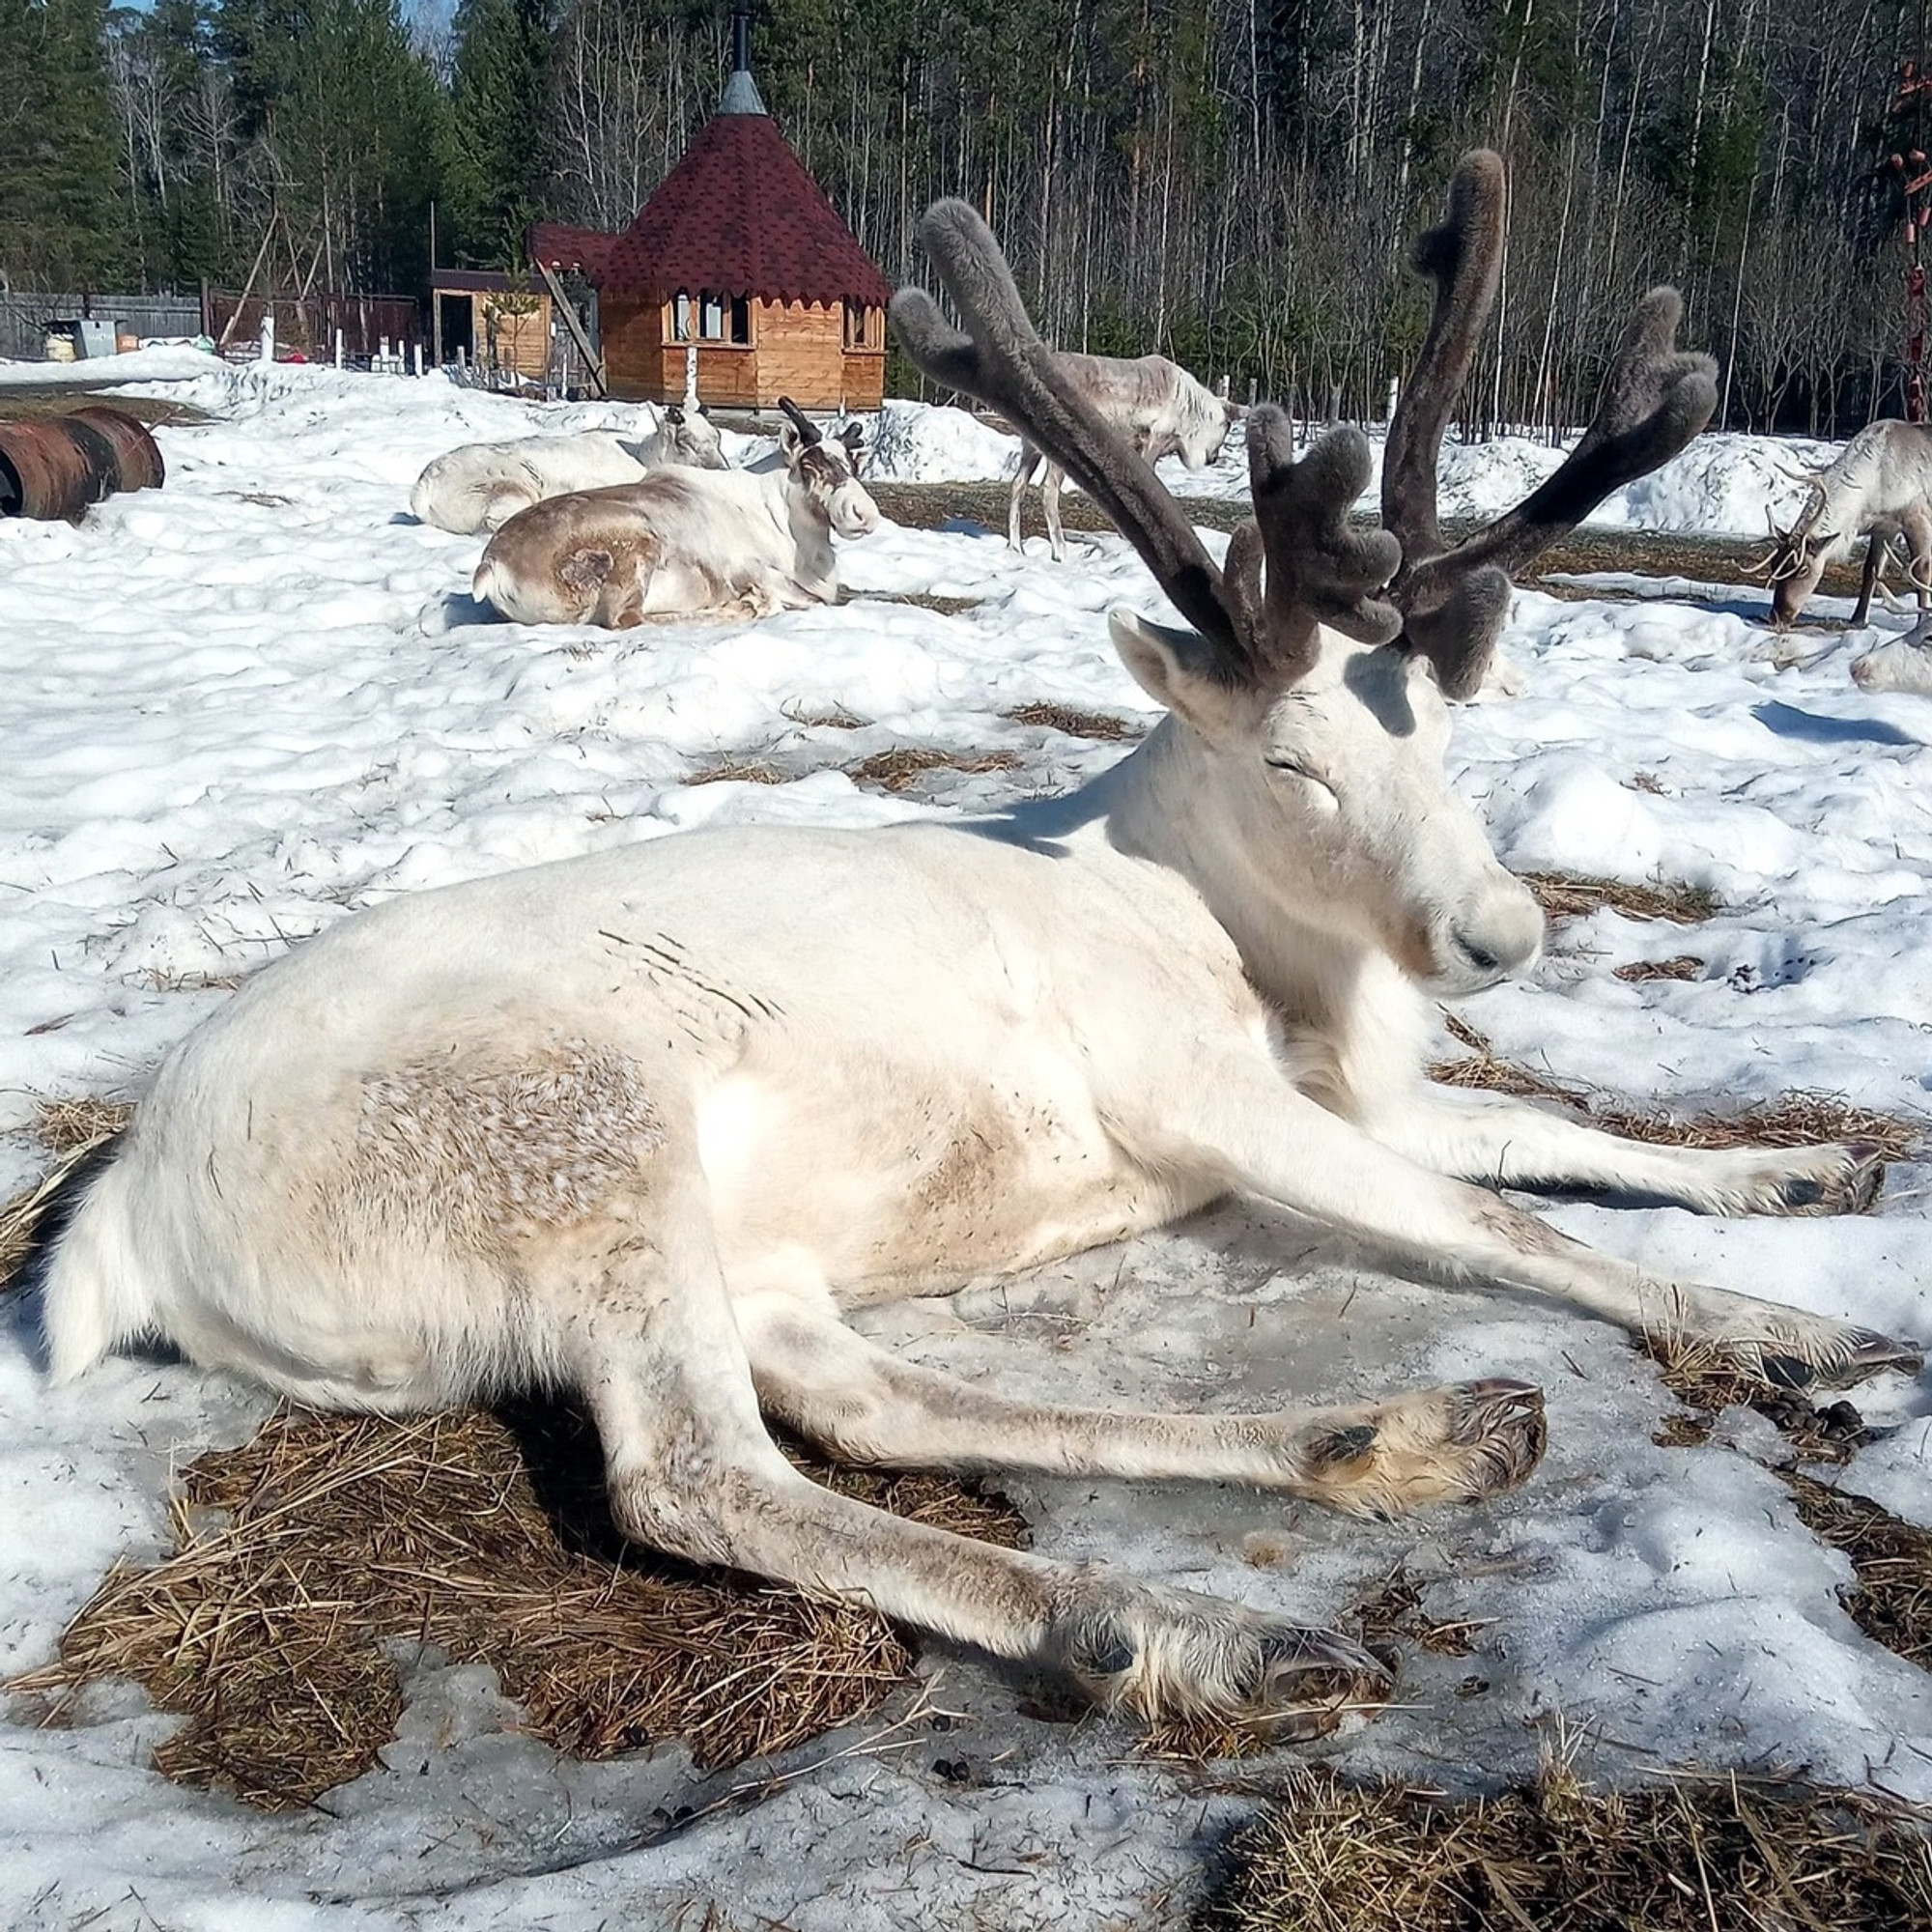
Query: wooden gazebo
{"points": [[739, 257]]}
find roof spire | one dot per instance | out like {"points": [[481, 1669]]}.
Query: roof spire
{"points": [[741, 92]]}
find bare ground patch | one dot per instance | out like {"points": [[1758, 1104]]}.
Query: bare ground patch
{"points": [[1698, 1854], [737, 771], [301, 1555]]}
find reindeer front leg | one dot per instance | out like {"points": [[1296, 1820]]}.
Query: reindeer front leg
{"points": [[1235, 1115], [1505, 1142]]}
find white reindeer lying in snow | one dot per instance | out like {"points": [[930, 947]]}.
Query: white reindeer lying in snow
{"points": [[684, 542], [1155, 404], [1883, 484], [642, 1124], [482, 484]]}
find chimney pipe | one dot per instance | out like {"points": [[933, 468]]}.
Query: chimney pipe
{"points": [[741, 38]]}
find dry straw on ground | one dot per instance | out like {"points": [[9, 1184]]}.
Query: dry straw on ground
{"points": [[299, 1555], [1798, 1120], [735, 771], [1695, 1854], [1680, 966], [72, 1130], [1564, 895], [905, 766], [1891, 1601], [1074, 722]]}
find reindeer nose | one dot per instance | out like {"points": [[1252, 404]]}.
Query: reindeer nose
{"points": [[1500, 937]]}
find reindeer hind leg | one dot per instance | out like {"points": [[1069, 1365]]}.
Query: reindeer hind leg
{"points": [[648, 1336]]}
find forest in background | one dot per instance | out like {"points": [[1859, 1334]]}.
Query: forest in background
{"points": [[1232, 181]]}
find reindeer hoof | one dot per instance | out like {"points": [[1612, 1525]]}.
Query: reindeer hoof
{"points": [[1454, 1444], [1849, 1184], [1171, 1656]]}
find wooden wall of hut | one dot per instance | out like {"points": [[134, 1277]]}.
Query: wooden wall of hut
{"points": [[797, 349]]}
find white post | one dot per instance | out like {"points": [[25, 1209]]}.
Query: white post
{"points": [[383, 365], [1394, 388], [338, 349], [419, 358], [268, 335], [690, 378]]}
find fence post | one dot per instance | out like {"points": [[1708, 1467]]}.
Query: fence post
{"points": [[268, 335], [338, 349], [419, 358]]}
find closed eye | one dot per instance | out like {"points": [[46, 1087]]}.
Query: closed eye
{"points": [[1294, 768]]}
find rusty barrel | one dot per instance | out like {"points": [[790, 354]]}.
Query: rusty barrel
{"points": [[54, 467], [137, 456]]}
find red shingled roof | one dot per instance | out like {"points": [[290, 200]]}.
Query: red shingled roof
{"points": [[740, 215], [558, 246]]}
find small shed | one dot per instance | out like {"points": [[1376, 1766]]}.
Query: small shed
{"points": [[739, 257], [500, 324]]}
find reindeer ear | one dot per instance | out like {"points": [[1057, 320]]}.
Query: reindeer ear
{"points": [[1180, 670], [790, 442]]}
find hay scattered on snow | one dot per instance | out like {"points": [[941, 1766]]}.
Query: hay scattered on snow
{"points": [[299, 1554], [1891, 1601], [905, 766], [71, 1129], [1680, 966], [1798, 1120], [737, 772], [1702, 1854], [1564, 895], [1074, 722]]}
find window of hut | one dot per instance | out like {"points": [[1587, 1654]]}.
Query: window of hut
{"points": [[710, 317], [680, 328], [741, 318]]}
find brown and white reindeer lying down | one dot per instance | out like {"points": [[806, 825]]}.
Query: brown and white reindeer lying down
{"points": [[482, 485], [685, 543], [643, 1126], [1155, 405]]}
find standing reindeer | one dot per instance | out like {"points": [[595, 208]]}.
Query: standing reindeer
{"points": [[1153, 402], [642, 1126], [1882, 484]]}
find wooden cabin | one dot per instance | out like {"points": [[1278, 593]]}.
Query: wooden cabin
{"points": [[739, 257]]}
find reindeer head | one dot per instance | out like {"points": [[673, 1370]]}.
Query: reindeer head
{"points": [[1797, 559], [1308, 701], [825, 470], [694, 437]]}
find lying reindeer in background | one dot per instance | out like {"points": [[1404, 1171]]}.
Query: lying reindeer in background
{"points": [[642, 1126], [684, 543], [1155, 404], [1882, 484], [482, 485]]}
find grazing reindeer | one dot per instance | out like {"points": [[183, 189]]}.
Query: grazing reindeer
{"points": [[642, 1124], [1882, 483], [1155, 403], [481, 485], [683, 542]]}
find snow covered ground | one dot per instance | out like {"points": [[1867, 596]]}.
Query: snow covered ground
{"points": [[236, 709]]}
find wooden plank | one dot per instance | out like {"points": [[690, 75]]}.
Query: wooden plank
{"points": [[593, 362]]}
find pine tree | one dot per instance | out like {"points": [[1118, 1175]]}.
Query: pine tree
{"points": [[62, 217]]}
